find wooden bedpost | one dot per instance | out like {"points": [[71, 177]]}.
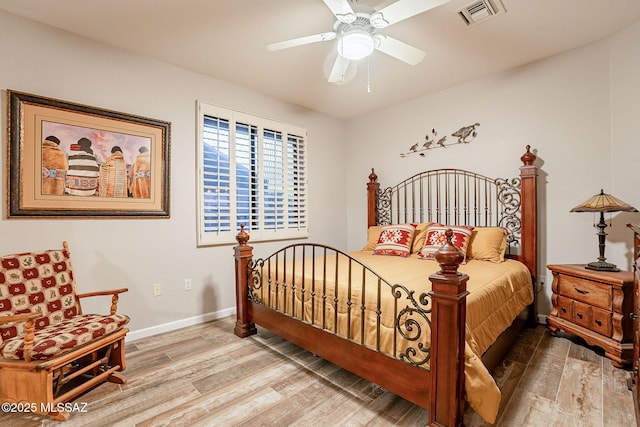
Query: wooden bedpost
{"points": [[528, 223], [448, 316], [372, 199], [243, 254]]}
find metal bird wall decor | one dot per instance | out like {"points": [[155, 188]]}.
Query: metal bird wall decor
{"points": [[464, 135]]}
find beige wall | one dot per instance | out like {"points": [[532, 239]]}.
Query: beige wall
{"points": [[139, 253], [578, 110], [625, 133]]}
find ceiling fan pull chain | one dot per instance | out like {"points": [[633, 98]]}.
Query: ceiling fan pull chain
{"points": [[368, 76], [341, 53]]}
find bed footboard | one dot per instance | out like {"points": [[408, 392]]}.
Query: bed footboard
{"points": [[401, 374]]}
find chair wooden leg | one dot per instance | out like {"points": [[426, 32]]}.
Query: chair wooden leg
{"points": [[59, 415], [117, 379]]}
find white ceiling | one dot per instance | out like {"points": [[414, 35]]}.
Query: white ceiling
{"points": [[226, 39]]}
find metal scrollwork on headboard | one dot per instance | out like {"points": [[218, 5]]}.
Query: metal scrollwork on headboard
{"points": [[384, 206], [509, 198]]}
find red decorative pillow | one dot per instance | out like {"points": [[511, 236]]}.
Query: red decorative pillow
{"points": [[395, 240], [436, 238], [420, 236]]}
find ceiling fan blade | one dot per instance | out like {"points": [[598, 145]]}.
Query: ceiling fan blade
{"points": [[399, 50], [342, 10], [402, 9], [302, 40], [339, 69]]}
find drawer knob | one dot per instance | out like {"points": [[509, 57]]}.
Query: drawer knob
{"points": [[580, 291], [598, 322], [579, 315], [633, 316], [564, 310]]}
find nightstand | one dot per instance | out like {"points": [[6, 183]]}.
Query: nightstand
{"points": [[595, 306]]}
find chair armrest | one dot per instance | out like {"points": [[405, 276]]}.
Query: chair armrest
{"points": [[22, 317], [102, 293], [114, 297], [29, 329]]}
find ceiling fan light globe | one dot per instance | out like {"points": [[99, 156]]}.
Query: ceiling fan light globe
{"points": [[356, 45]]}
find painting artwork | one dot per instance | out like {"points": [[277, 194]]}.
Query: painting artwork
{"points": [[73, 160]]}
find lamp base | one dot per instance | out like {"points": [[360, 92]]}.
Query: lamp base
{"points": [[602, 266]]}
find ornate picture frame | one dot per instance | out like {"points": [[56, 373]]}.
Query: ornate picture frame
{"points": [[72, 160]]}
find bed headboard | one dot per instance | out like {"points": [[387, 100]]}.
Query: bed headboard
{"points": [[459, 197]]}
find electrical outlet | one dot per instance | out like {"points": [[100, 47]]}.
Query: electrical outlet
{"points": [[157, 290], [542, 282], [187, 284]]}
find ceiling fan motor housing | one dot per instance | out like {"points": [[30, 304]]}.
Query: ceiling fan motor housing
{"points": [[356, 39]]}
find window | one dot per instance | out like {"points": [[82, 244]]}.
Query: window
{"points": [[251, 171]]}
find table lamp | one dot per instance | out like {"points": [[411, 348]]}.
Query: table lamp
{"points": [[603, 203]]}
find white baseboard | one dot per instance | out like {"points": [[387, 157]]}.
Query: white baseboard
{"points": [[207, 317], [178, 324]]}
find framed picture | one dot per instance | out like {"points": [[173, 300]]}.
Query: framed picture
{"points": [[72, 160]]}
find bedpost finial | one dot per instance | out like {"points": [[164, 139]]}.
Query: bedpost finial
{"points": [[372, 176], [449, 256], [242, 237], [528, 158]]}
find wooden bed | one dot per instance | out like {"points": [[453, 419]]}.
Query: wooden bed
{"points": [[428, 368]]}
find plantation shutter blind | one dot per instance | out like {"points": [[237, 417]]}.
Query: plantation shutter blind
{"points": [[252, 171], [296, 176], [217, 206]]}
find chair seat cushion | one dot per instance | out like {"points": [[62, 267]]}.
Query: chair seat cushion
{"points": [[64, 336]]}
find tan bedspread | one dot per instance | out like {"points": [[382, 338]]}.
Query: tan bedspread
{"points": [[498, 292]]}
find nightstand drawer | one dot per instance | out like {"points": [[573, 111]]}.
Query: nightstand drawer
{"points": [[593, 293], [565, 308], [582, 314], [601, 321]]}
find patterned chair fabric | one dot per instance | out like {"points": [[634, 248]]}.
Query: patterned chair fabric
{"points": [[43, 282]]}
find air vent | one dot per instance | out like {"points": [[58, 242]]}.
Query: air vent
{"points": [[481, 10]]}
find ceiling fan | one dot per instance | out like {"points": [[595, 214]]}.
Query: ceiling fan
{"points": [[358, 33]]}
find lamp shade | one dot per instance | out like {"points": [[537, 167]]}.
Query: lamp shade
{"points": [[603, 202]]}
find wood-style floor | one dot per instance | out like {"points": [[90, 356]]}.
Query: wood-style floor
{"points": [[205, 376]]}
